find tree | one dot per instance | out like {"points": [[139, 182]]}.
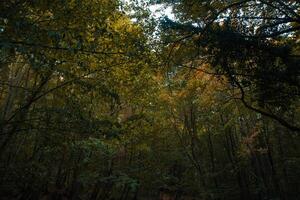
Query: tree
{"points": [[98, 103], [253, 43]]}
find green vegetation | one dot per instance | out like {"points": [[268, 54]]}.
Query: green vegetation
{"points": [[100, 101]]}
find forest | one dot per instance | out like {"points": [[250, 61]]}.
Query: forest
{"points": [[149, 99]]}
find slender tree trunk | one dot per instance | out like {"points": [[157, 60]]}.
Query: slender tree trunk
{"points": [[212, 160]]}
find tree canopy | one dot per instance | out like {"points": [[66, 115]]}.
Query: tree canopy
{"points": [[101, 99]]}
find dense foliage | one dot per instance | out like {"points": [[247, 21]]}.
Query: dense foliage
{"points": [[99, 101]]}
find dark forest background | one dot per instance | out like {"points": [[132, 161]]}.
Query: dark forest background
{"points": [[100, 100]]}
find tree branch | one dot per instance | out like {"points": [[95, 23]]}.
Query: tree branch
{"points": [[270, 115]]}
